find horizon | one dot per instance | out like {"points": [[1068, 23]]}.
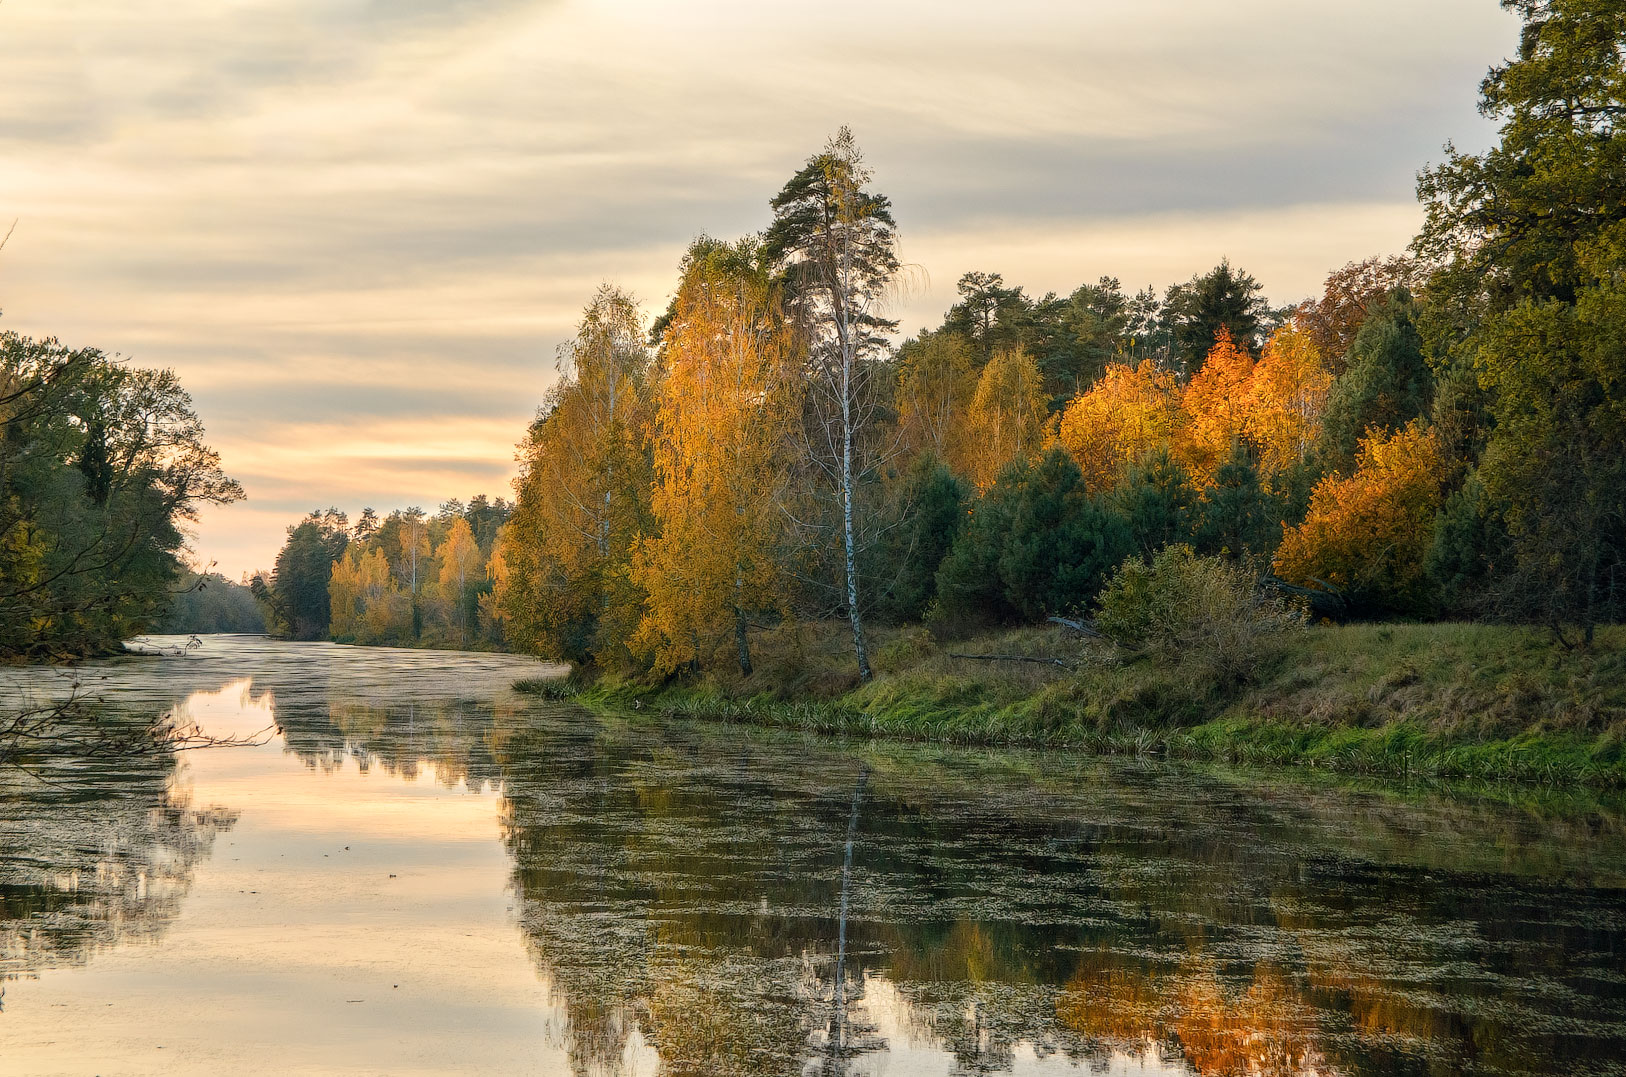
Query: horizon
{"points": [[360, 236]]}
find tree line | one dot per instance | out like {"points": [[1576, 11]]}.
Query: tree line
{"points": [[102, 467], [408, 579], [1437, 434]]}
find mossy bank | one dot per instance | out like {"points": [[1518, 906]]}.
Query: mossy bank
{"points": [[1437, 700]]}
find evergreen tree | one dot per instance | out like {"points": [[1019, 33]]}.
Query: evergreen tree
{"points": [[1238, 518], [1385, 385], [1222, 299], [931, 508], [1037, 543], [1157, 502], [303, 568]]}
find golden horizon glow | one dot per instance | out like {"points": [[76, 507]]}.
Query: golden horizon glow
{"points": [[359, 230]]}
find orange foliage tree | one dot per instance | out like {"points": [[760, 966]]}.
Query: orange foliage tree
{"points": [[1368, 534], [1333, 320], [1123, 417], [1214, 406], [565, 587]]}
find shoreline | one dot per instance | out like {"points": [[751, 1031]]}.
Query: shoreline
{"points": [[1451, 702]]}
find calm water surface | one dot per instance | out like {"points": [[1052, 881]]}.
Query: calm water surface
{"points": [[421, 872]]}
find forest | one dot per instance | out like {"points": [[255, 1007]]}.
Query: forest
{"points": [[407, 580], [1436, 436]]}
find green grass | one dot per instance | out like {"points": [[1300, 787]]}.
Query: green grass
{"points": [[1449, 701]]}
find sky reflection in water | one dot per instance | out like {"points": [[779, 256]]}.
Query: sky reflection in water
{"points": [[426, 873]]}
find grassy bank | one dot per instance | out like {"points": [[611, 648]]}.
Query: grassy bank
{"points": [[1444, 700]]}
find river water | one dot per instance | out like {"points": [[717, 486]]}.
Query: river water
{"points": [[418, 871]]}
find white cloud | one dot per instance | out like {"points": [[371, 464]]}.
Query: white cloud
{"points": [[326, 211]]}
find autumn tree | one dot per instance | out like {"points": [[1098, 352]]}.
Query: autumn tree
{"points": [[1128, 414], [936, 381], [459, 557], [1006, 419], [725, 400], [1214, 407], [835, 244], [1331, 321], [1368, 535], [367, 604], [583, 489], [1286, 397], [411, 560]]}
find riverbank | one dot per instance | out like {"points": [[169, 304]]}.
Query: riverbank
{"points": [[1435, 700]]}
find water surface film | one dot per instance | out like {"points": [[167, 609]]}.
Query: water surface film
{"points": [[420, 871]]}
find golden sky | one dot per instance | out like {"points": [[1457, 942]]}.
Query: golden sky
{"points": [[359, 229]]}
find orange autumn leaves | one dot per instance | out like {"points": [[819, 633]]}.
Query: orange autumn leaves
{"points": [[1366, 531], [1273, 404], [1371, 530]]}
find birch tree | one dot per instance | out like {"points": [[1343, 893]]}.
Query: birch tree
{"points": [[459, 562], [725, 397], [565, 588], [836, 245]]}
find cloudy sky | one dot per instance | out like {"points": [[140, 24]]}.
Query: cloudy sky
{"points": [[360, 228]]}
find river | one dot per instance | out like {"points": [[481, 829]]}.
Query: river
{"points": [[416, 870]]}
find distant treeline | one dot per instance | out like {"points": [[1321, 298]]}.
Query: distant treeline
{"points": [[101, 465], [1439, 434], [209, 602], [409, 579]]}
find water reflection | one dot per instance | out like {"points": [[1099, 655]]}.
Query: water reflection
{"points": [[1112, 915], [90, 858], [707, 901]]}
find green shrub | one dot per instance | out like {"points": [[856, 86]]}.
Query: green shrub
{"points": [[1184, 607]]}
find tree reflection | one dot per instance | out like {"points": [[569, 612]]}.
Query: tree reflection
{"points": [[703, 901], [678, 885], [92, 855]]}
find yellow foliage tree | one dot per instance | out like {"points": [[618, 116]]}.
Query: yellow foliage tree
{"points": [[344, 597], [719, 442], [1213, 407], [459, 556], [1007, 415], [1285, 399], [1123, 417], [936, 384], [367, 605], [492, 615], [1368, 534], [583, 494]]}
